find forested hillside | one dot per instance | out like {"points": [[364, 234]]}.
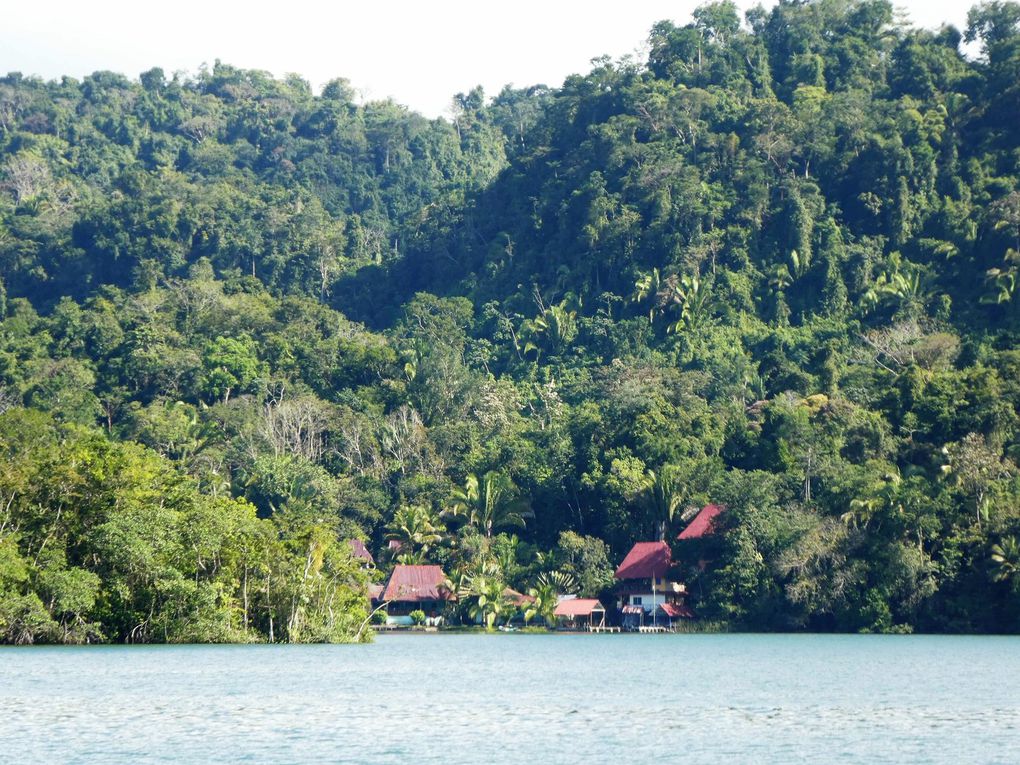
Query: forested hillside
{"points": [[773, 267]]}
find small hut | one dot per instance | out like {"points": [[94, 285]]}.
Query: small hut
{"points": [[580, 613], [361, 553]]}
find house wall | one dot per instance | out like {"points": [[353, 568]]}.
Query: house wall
{"points": [[648, 599], [405, 607]]}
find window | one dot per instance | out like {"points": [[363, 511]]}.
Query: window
{"points": [[635, 600]]}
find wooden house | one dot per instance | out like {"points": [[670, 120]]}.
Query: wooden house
{"points": [[416, 588], [647, 591]]}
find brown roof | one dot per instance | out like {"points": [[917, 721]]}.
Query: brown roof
{"points": [[375, 591], [518, 598], [358, 550], [645, 560], [577, 607], [412, 584], [703, 523]]}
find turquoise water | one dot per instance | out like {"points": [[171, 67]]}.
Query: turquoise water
{"points": [[520, 698]]}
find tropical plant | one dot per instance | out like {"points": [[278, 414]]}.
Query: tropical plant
{"points": [[417, 529], [489, 504], [691, 299], [554, 329], [901, 285], [485, 591], [663, 495], [548, 588], [1006, 562], [646, 289]]}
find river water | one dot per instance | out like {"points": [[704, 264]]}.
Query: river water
{"points": [[520, 698]]}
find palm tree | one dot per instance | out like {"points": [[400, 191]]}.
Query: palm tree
{"points": [[693, 301], [880, 493], [779, 277], [647, 287], [554, 328], [1006, 562], [489, 504], [1002, 281], [548, 587], [663, 495], [417, 529], [902, 285]]}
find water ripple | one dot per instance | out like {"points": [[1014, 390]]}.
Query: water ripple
{"points": [[546, 699]]}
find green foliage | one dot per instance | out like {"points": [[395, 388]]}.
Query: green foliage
{"points": [[548, 588], [586, 561], [772, 267], [485, 592], [489, 503]]}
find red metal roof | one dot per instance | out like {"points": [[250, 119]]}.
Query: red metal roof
{"points": [[573, 607], [676, 611], [412, 584], [645, 560], [703, 523], [358, 550]]}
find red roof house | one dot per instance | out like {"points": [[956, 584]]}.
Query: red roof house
{"points": [[576, 613], [703, 523], [416, 588], [646, 585], [645, 560], [416, 584], [358, 550]]}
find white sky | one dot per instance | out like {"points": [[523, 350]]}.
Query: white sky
{"points": [[418, 53]]}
